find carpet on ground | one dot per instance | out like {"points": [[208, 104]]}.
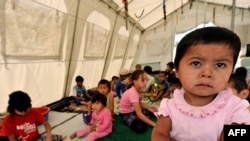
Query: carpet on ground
{"points": [[124, 133]]}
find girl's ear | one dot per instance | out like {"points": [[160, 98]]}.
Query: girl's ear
{"points": [[244, 93]]}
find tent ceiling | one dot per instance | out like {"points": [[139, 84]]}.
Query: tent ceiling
{"points": [[148, 12], [145, 13]]}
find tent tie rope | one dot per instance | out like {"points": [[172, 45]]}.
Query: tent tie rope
{"points": [[164, 11], [126, 11], [140, 14]]}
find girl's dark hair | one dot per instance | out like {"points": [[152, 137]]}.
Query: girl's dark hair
{"points": [[136, 74], [208, 35], [148, 69], [99, 98], [19, 101], [105, 82]]}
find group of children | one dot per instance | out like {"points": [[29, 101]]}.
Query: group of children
{"points": [[206, 94]]}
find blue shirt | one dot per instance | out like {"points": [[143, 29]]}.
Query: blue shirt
{"points": [[80, 91], [166, 84], [120, 87]]}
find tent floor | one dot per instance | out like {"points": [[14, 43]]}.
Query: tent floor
{"points": [[67, 123], [66, 105]]}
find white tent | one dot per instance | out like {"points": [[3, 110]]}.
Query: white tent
{"points": [[45, 44]]}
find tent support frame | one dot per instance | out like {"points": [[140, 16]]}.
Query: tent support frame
{"points": [[71, 51]]}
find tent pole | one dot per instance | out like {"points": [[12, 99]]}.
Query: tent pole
{"points": [[205, 14], [71, 51], [108, 50], [233, 16], [127, 46], [196, 13]]}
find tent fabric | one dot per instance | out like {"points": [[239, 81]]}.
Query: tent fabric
{"points": [[153, 9], [17, 16], [45, 44]]}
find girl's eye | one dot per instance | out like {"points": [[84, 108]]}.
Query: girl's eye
{"points": [[220, 65], [195, 63]]}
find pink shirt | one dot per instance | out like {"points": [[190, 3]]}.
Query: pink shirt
{"points": [[190, 123], [129, 97], [103, 119]]}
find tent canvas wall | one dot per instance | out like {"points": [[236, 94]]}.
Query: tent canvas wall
{"points": [[45, 44]]}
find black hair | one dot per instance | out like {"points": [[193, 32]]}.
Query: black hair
{"points": [[175, 81], [238, 82], [148, 69], [208, 35], [105, 82], [136, 74], [241, 71], [162, 72], [114, 77], [99, 98], [20, 101], [79, 78], [171, 65]]}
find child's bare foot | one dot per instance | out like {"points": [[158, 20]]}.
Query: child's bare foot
{"points": [[72, 136]]}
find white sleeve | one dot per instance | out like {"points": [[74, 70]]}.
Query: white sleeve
{"points": [[73, 92]]}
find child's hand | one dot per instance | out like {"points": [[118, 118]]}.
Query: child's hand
{"points": [[152, 109], [91, 124], [154, 93], [48, 138], [82, 98], [92, 127]]}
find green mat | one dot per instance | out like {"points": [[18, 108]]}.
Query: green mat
{"points": [[124, 133]]}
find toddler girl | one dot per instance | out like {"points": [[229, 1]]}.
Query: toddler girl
{"points": [[101, 120], [204, 61]]}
